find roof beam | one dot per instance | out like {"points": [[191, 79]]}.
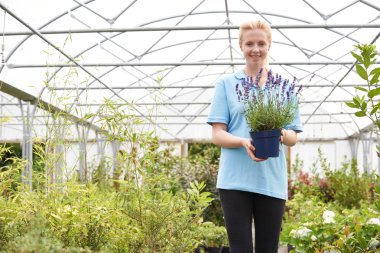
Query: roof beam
{"points": [[150, 64], [199, 103], [184, 87], [24, 96], [187, 28]]}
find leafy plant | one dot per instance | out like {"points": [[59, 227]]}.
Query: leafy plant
{"points": [[367, 105], [271, 107], [212, 235], [347, 186], [314, 226]]}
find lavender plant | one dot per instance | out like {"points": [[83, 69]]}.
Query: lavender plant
{"points": [[270, 107]]}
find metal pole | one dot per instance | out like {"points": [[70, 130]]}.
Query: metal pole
{"points": [[27, 147]]}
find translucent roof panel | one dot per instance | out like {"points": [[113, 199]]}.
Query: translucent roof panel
{"points": [[164, 57]]}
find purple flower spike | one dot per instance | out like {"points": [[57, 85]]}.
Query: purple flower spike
{"points": [[299, 89]]}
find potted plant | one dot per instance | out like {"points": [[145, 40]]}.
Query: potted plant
{"points": [[267, 110]]}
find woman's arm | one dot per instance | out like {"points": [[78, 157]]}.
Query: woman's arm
{"points": [[221, 137], [288, 137]]}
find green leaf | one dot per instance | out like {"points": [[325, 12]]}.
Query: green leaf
{"points": [[360, 114], [373, 110], [364, 106], [352, 105], [361, 88], [356, 101], [374, 79], [375, 71], [374, 92], [358, 57], [361, 71], [367, 61]]}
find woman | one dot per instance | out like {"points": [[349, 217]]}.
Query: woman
{"points": [[249, 187]]}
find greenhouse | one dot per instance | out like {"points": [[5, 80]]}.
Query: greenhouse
{"points": [[105, 144]]}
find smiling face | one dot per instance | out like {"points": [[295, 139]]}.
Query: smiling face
{"points": [[255, 44]]}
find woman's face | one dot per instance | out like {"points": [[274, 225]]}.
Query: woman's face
{"points": [[255, 46]]}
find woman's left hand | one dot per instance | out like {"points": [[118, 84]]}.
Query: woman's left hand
{"points": [[247, 143]]}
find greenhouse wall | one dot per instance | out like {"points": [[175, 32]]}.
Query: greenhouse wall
{"points": [[336, 153]]}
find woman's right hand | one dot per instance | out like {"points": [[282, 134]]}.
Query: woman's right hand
{"points": [[247, 144]]}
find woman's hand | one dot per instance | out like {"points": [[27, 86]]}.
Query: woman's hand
{"points": [[247, 144], [288, 137]]}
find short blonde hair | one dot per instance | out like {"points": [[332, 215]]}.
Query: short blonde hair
{"points": [[257, 24]]}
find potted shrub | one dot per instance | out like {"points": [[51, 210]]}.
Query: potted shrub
{"points": [[267, 110]]}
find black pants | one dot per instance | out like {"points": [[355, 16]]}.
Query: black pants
{"points": [[239, 207]]}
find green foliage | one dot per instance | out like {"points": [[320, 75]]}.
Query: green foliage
{"points": [[212, 235], [347, 186], [367, 105], [165, 222], [10, 171], [332, 210], [204, 151], [82, 218], [38, 239], [138, 207], [202, 165], [314, 226]]}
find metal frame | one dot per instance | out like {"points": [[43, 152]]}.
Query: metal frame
{"points": [[143, 83]]}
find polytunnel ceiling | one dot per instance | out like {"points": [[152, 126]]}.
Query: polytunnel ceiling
{"points": [[162, 58]]}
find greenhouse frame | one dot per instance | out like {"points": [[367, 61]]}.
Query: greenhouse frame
{"points": [[67, 66]]}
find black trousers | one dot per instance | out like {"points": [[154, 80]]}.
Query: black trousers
{"points": [[239, 207]]}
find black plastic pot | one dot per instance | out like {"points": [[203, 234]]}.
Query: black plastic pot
{"points": [[214, 249]]}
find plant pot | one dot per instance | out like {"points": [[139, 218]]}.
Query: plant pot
{"points": [[214, 249], [200, 249], [267, 143], [226, 250]]}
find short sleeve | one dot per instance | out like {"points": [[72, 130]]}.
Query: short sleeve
{"points": [[296, 124], [219, 112]]}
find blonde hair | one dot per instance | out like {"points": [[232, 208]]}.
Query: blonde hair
{"points": [[257, 24]]}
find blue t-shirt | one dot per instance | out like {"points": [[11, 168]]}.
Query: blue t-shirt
{"points": [[237, 171]]}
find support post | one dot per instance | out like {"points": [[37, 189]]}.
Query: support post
{"points": [[27, 146], [115, 153], [82, 138], [184, 149]]}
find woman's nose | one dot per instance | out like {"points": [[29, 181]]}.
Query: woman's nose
{"points": [[255, 48]]}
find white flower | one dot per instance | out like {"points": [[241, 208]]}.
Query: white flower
{"points": [[313, 238], [372, 211], [374, 221], [301, 232], [328, 217]]}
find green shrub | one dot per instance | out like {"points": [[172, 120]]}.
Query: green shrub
{"points": [[347, 186], [315, 226], [212, 235]]}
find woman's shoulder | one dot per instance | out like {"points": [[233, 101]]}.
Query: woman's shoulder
{"points": [[231, 78]]}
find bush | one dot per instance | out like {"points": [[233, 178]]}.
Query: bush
{"points": [[314, 226]]}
